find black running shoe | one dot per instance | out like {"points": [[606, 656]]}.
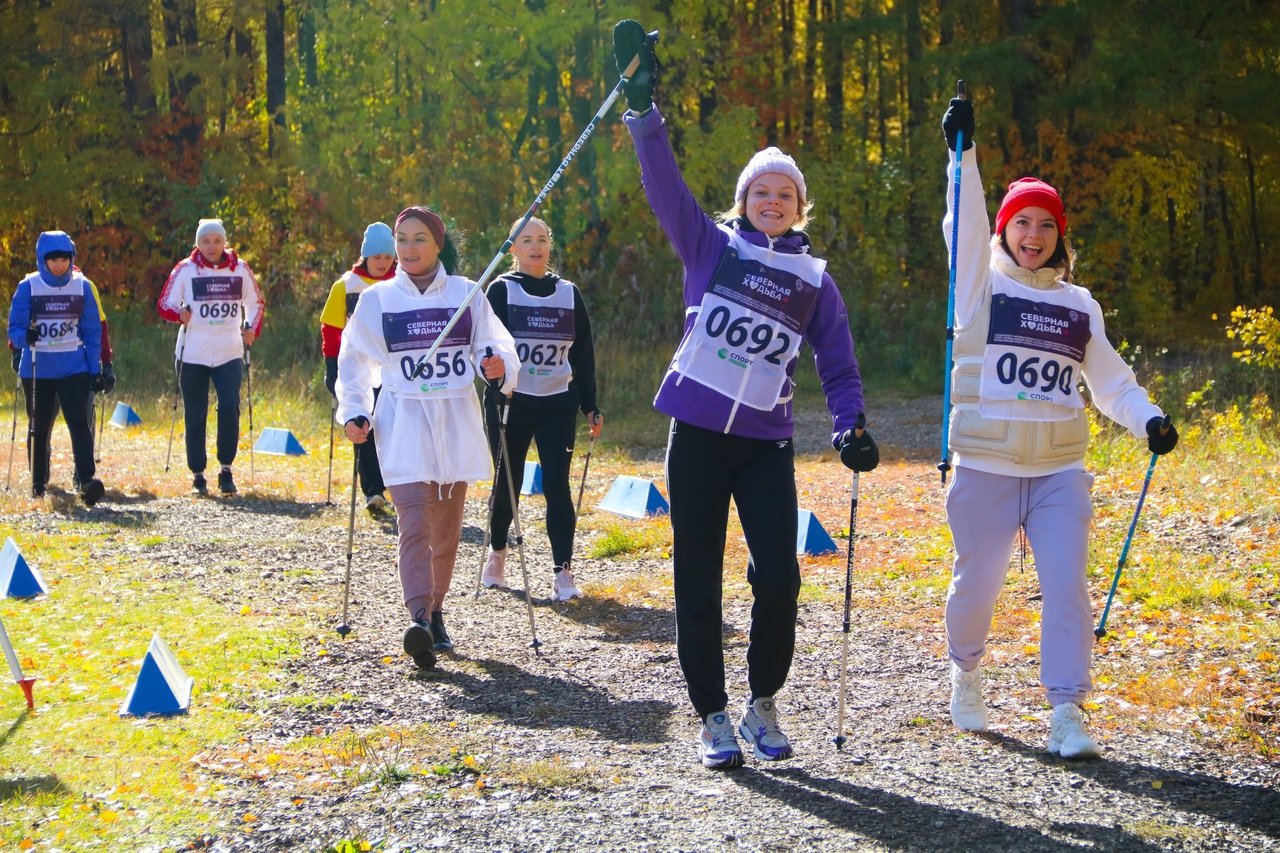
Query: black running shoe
{"points": [[199, 485], [442, 641], [37, 491], [226, 484], [419, 644], [92, 492]]}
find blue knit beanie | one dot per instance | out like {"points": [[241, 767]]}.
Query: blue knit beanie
{"points": [[378, 240]]}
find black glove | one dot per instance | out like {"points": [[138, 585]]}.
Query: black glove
{"points": [[1161, 435], [95, 383], [858, 452], [360, 421], [959, 117], [629, 38], [16, 357], [33, 334], [331, 374], [108, 378]]}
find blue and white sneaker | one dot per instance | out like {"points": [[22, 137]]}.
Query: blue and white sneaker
{"points": [[717, 745], [759, 727]]}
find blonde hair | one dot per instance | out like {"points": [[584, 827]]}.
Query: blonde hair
{"points": [[551, 240]]}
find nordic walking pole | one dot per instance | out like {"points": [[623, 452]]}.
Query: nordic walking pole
{"points": [[488, 522], [343, 627], [15, 667], [651, 38], [248, 381], [848, 597], [944, 463], [177, 392], [99, 439], [31, 425], [504, 407], [1101, 630], [328, 482], [13, 434], [586, 466]]}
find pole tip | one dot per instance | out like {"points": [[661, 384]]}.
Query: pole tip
{"points": [[1100, 632], [26, 684], [343, 630], [838, 740]]}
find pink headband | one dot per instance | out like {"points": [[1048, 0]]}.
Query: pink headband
{"points": [[427, 217]]}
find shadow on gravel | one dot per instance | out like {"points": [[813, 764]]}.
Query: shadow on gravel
{"points": [[274, 506], [541, 701], [902, 823], [622, 623], [472, 535], [137, 518], [1255, 807]]}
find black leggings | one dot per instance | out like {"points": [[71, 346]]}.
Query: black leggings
{"points": [[195, 410], [704, 470], [72, 394], [555, 436]]}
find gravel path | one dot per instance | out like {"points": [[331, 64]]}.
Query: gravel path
{"points": [[589, 744]]}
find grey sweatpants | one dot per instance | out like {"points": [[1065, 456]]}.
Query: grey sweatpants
{"points": [[430, 519], [984, 512]]}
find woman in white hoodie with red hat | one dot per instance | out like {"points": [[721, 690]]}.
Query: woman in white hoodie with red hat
{"points": [[1025, 336]]}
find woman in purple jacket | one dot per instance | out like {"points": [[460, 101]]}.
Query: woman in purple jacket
{"points": [[753, 294]]}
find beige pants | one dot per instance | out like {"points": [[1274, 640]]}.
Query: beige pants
{"points": [[430, 518]]}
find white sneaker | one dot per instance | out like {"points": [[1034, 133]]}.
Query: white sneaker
{"points": [[759, 727], [563, 587], [495, 569], [717, 746], [968, 711], [376, 504], [1067, 736]]}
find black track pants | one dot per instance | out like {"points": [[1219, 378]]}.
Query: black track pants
{"points": [[71, 393], [226, 379], [704, 470], [555, 436]]}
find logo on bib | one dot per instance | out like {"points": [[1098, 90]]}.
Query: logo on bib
{"points": [[1023, 395]]}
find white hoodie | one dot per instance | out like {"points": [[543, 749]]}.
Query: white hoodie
{"points": [[420, 439]]}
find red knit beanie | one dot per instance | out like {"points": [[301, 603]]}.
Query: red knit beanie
{"points": [[1031, 192]]}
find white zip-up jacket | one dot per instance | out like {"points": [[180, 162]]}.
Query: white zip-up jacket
{"points": [[222, 300], [1021, 445], [420, 439]]}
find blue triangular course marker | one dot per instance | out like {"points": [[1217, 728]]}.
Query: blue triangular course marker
{"points": [[635, 498], [532, 483], [124, 416], [18, 578], [279, 442], [162, 687], [811, 538]]}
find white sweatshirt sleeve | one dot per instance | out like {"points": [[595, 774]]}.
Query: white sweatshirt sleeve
{"points": [[489, 332], [973, 245], [363, 351], [1111, 382]]}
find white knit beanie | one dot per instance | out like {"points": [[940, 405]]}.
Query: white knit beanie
{"points": [[210, 226], [770, 160]]}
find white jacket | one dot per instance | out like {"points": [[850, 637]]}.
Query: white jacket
{"points": [[1022, 448], [419, 440], [218, 340]]}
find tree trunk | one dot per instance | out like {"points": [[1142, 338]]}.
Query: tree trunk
{"points": [[1254, 229], [833, 65], [136, 52], [180, 42], [274, 48]]}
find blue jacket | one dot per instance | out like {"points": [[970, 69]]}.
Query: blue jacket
{"points": [[57, 364]]}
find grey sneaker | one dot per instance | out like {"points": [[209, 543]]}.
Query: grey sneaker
{"points": [[1067, 736], [495, 573], [717, 745], [563, 587], [759, 727]]}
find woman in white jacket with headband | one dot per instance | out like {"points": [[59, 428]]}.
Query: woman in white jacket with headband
{"points": [[431, 439]]}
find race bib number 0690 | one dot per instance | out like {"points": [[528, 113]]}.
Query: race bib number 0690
{"points": [[1034, 373]]}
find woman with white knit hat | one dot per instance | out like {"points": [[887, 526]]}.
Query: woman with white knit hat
{"points": [[215, 296], [753, 294]]}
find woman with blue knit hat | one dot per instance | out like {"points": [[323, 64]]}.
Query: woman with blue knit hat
{"points": [[54, 322], [214, 295], [377, 263], [753, 293]]}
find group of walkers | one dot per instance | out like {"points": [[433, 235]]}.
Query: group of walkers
{"points": [[1026, 337]]}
